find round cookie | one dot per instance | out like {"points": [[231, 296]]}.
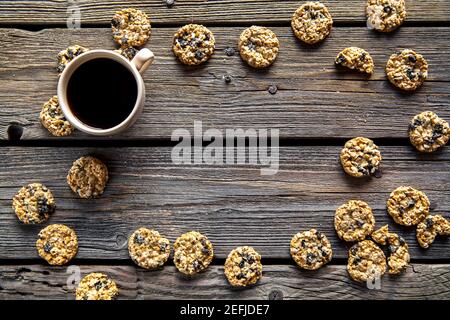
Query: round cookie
{"points": [[428, 229], [127, 52], [67, 55], [53, 119], [360, 157], [366, 261], [193, 44], [57, 244], [356, 59], [148, 249], [385, 15], [258, 46], [243, 267], [87, 177], [131, 27], [312, 22], [193, 253], [407, 70], [34, 203], [354, 221], [96, 286], [428, 132], [311, 249], [408, 206]]}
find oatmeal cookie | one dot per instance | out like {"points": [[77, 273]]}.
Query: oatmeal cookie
{"points": [[57, 244], [243, 267], [131, 27], [360, 157], [408, 206], [385, 15], [67, 55], [193, 253], [148, 249], [97, 286], [127, 52], [258, 46], [366, 261], [407, 70], [33, 203], [52, 118], [355, 58], [428, 132], [193, 44], [311, 249], [354, 221], [88, 177], [312, 22], [428, 229]]}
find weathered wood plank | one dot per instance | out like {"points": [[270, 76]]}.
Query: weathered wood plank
{"points": [[200, 11], [281, 281], [314, 99], [232, 205]]}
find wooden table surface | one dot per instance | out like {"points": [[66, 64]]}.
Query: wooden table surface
{"points": [[316, 108]]}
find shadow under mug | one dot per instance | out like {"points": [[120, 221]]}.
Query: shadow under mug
{"points": [[137, 66]]}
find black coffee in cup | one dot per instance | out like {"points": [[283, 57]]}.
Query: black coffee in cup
{"points": [[102, 93]]}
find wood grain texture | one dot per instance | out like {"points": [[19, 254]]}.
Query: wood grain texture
{"points": [[232, 205], [201, 11], [314, 99], [279, 281]]}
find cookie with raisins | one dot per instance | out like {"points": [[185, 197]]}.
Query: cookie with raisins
{"points": [[243, 267], [148, 249]]}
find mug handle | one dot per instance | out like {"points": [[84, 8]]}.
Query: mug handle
{"points": [[143, 59]]}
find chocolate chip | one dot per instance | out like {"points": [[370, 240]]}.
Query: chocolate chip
{"points": [[183, 43], [401, 241], [412, 58], [227, 78], [115, 22], [378, 173], [138, 239], [199, 55], [251, 46], [47, 247], [124, 40], [303, 244], [313, 15], [272, 89], [98, 285], [310, 258], [392, 249], [341, 59], [387, 9], [359, 223], [163, 246], [197, 265], [411, 75], [429, 223], [242, 264], [229, 51], [240, 276], [356, 260], [362, 57]]}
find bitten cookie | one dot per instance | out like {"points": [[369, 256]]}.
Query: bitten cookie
{"points": [[243, 267], [57, 244], [428, 132], [67, 55], [148, 249], [385, 15], [193, 44], [97, 286], [366, 261], [131, 27], [88, 177], [408, 206], [355, 58], [127, 52], [52, 118], [258, 46], [311, 249], [34, 203], [312, 22], [193, 253], [428, 229], [399, 257], [354, 221], [407, 70], [360, 157]]}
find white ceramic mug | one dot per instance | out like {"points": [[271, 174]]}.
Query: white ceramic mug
{"points": [[137, 66]]}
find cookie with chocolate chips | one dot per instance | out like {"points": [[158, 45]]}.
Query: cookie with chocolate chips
{"points": [[57, 244], [67, 55], [258, 46], [407, 70], [408, 206], [243, 267], [366, 261], [385, 15], [97, 286], [356, 59], [193, 253], [53, 119], [361, 157], [354, 221], [193, 44], [311, 249], [312, 22], [428, 132], [428, 229], [131, 27], [88, 177], [34, 203], [148, 249]]}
